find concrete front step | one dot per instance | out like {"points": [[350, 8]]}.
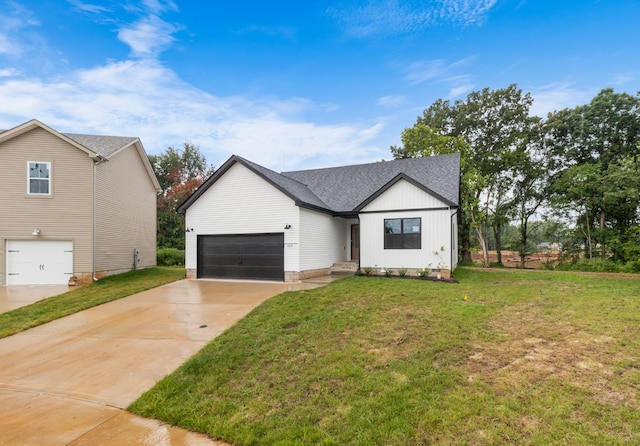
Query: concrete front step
{"points": [[344, 267]]}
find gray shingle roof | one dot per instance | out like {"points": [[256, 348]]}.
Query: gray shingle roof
{"points": [[102, 145], [342, 190], [297, 190]]}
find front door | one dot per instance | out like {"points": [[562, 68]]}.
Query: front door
{"points": [[355, 242]]}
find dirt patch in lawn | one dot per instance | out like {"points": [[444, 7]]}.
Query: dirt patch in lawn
{"points": [[527, 349], [511, 259]]}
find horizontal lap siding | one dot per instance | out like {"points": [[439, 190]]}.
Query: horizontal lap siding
{"points": [[322, 240], [241, 202], [436, 229], [65, 215], [125, 213]]}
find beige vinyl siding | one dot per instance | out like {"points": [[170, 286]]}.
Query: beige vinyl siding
{"points": [[436, 229], [63, 215], [125, 213], [322, 240], [241, 202]]}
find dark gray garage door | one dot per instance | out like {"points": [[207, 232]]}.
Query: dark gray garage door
{"points": [[241, 256]]}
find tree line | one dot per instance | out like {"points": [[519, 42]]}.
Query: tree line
{"points": [[577, 167]]}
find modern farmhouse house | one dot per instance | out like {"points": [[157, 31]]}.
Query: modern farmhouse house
{"points": [[249, 222]]}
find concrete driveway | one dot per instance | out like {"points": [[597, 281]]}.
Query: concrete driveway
{"points": [[66, 382], [16, 296]]}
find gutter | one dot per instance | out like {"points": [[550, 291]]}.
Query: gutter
{"points": [[454, 242]]}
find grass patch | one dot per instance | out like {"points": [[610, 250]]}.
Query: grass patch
{"points": [[502, 357], [103, 291]]}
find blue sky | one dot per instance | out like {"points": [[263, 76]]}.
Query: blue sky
{"points": [[298, 84]]}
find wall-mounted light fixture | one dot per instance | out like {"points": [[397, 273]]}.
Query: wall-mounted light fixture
{"points": [[287, 226], [189, 230], [36, 231]]}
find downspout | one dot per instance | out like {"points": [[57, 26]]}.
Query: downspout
{"points": [[100, 160], [359, 244], [453, 242]]}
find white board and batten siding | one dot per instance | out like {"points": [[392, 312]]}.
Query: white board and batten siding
{"points": [[264, 210], [322, 240], [404, 200]]}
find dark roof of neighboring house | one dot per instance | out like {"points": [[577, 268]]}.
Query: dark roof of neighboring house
{"points": [[347, 189], [99, 144], [102, 145]]}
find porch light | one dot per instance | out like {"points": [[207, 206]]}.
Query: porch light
{"points": [[36, 231], [287, 226]]}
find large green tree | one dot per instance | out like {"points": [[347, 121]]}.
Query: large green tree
{"points": [[494, 123], [420, 141], [530, 175], [179, 172], [595, 155]]}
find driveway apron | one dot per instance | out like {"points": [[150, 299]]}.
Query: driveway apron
{"points": [[16, 296], [65, 382]]}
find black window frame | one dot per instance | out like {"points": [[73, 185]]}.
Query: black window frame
{"points": [[407, 238]]}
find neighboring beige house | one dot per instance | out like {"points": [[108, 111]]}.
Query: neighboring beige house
{"points": [[73, 207]]}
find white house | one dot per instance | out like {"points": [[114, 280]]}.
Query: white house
{"points": [[249, 222]]}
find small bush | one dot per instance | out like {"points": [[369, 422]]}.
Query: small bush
{"points": [[367, 270], [170, 257], [388, 272], [634, 267], [592, 265], [423, 272], [402, 272]]}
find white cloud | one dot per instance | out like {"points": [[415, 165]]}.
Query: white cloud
{"points": [[396, 17], [148, 36], [9, 72], [461, 85], [159, 6], [88, 7], [15, 20], [422, 71], [392, 101], [143, 98], [557, 96]]}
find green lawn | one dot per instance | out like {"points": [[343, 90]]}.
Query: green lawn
{"points": [[105, 290], [502, 357]]}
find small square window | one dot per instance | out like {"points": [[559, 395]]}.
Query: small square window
{"points": [[402, 233], [39, 178]]}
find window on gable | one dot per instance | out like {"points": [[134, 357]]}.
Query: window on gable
{"points": [[402, 233], [39, 178]]}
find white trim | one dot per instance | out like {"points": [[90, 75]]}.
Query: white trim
{"points": [[49, 179]]}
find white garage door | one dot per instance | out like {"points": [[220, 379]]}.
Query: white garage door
{"points": [[39, 262]]}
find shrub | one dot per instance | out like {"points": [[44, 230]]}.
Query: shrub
{"points": [[388, 272], [367, 270], [423, 272], [402, 272], [170, 257]]}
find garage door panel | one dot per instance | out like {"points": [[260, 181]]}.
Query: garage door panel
{"points": [[39, 262], [241, 256]]}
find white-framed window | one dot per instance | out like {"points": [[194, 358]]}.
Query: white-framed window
{"points": [[39, 178]]}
